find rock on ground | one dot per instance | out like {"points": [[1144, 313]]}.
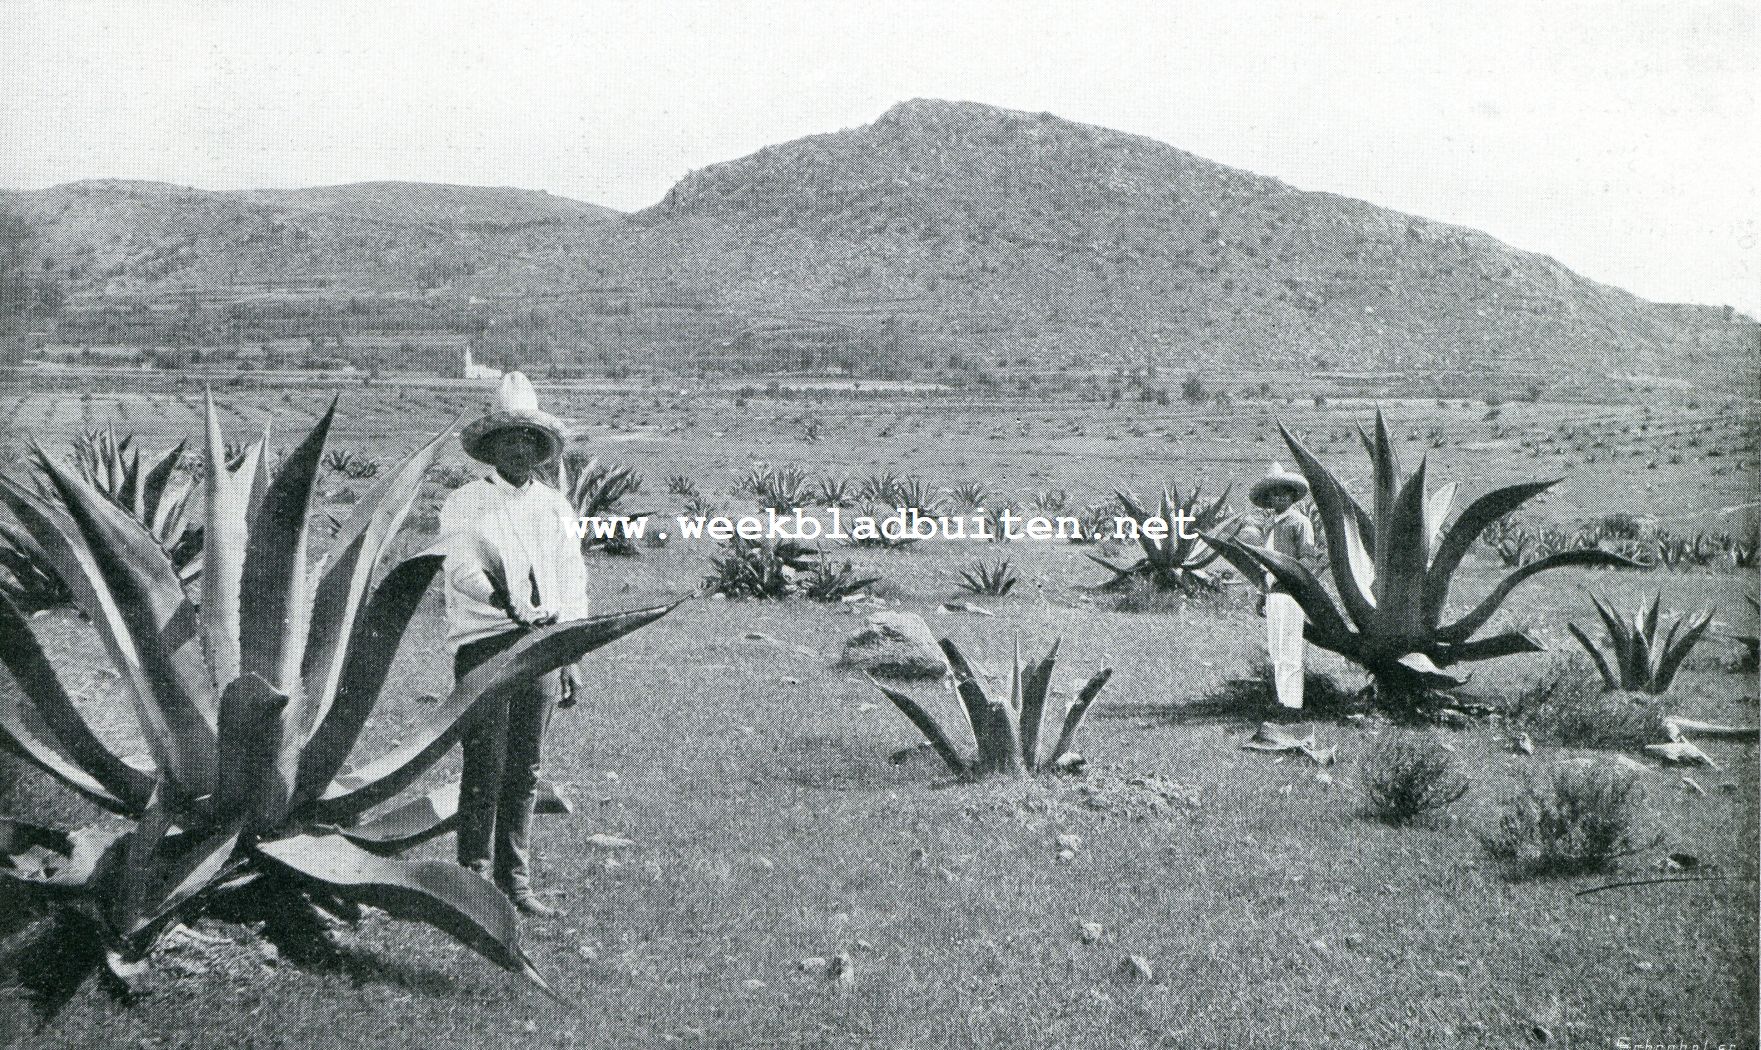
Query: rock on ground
{"points": [[895, 645]]}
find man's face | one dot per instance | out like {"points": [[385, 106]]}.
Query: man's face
{"points": [[516, 451], [1279, 502]]}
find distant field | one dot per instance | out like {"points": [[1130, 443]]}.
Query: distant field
{"points": [[770, 826]]}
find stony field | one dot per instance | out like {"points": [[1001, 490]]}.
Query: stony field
{"points": [[799, 874]]}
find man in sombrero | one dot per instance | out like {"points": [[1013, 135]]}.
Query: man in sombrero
{"points": [[512, 565], [1290, 534]]}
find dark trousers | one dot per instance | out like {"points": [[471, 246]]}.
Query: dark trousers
{"points": [[503, 745]]}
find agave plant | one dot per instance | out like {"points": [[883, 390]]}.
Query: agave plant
{"points": [[759, 568], [780, 489], [879, 488], [832, 491], [156, 497], [1393, 570], [351, 465], [248, 706], [1007, 733], [877, 538], [595, 489], [826, 582], [970, 495], [1177, 560], [918, 497], [994, 578], [1640, 663]]}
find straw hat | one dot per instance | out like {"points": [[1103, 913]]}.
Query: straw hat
{"points": [[515, 405], [1277, 479]]}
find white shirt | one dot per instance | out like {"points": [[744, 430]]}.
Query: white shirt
{"points": [[524, 536]]}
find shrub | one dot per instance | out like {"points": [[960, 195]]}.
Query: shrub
{"points": [[1581, 821], [831, 491], [351, 465], [970, 495], [451, 475], [781, 489], [1406, 778]]}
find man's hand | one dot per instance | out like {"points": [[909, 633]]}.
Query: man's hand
{"points": [[535, 617], [572, 687]]}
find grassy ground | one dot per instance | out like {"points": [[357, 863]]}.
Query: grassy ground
{"points": [[770, 826]]}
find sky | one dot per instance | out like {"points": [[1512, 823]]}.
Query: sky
{"points": [[1618, 137]]}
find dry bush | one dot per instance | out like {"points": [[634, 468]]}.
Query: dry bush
{"points": [[1581, 821], [1406, 778]]}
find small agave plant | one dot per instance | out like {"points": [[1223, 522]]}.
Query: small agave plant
{"points": [[249, 706], [1007, 732], [1393, 570], [1638, 661], [1176, 561], [159, 496]]}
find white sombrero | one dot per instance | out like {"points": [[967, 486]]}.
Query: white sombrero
{"points": [[1277, 479], [515, 405]]}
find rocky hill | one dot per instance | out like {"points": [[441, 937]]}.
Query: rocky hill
{"points": [[1000, 234]]}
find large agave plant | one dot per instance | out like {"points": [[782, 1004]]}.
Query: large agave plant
{"points": [[1640, 662], [1006, 732], [1176, 561], [249, 705], [1393, 569]]}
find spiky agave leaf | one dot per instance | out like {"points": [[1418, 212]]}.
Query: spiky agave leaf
{"points": [[539, 653], [231, 492], [1078, 711], [342, 580], [179, 707], [409, 823], [992, 722], [443, 895], [1035, 684], [50, 730], [931, 729]]}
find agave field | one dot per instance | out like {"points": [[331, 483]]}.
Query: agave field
{"points": [[765, 849]]}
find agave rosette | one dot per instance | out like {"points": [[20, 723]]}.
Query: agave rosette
{"points": [[1393, 566], [1176, 560], [1006, 732], [1638, 659], [249, 704]]}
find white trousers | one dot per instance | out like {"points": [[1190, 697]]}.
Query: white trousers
{"points": [[1284, 622]]}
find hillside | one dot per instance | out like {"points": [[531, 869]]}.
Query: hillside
{"points": [[112, 237], [427, 203], [973, 230]]}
